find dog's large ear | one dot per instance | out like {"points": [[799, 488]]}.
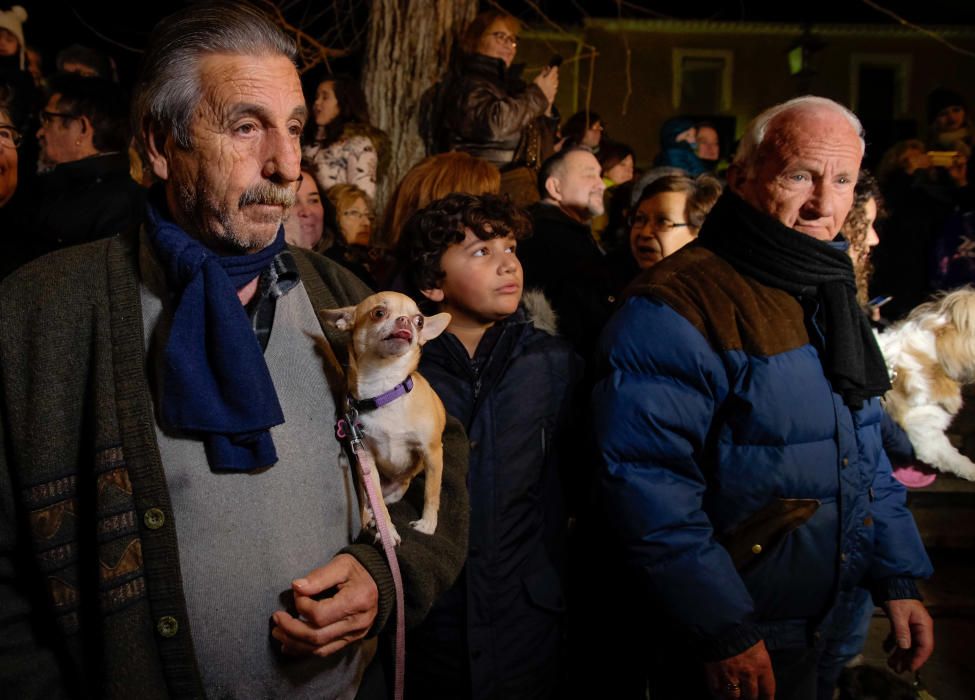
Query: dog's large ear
{"points": [[434, 326], [343, 318]]}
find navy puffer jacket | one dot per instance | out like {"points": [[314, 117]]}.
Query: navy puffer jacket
{"points": [[744, 491], [505, 613]]}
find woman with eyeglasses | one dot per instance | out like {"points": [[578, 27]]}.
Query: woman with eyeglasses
{"points": [[491, 113], [15, 247], [669, 215], [341, 145], [351, 209]]}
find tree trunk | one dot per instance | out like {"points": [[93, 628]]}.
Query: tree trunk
{"points": [[410, 43]]}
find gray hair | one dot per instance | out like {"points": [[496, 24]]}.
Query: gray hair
{"points": [[755, 131], [168, 90]]}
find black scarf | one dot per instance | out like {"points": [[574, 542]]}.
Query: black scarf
{"points": [[763, 248]]}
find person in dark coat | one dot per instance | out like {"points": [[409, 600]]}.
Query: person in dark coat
{"points": [[678, 139], [89, 193], [503, 373]]}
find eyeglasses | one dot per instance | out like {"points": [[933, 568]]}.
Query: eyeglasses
{"points": [[48, 117], [9, 136], [506, 38], [660, 223], [358, 214]]}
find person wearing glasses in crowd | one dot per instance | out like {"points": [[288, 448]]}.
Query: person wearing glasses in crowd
{"points": [[489, 111], [87, 193], [13, 246], [353, 219], [668, 215]]}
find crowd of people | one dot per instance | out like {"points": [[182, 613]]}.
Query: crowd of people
{"points": [[625, 458]]}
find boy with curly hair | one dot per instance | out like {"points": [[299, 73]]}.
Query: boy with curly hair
{"points": [[505, 374]]}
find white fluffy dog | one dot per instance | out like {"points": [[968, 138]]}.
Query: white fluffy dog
{"points": [[931, 354]]}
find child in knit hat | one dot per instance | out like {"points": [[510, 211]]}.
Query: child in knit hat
{"points": [[12, 35]]}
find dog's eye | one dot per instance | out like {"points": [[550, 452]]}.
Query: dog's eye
{"points": [[379, 313], [419, 321]]}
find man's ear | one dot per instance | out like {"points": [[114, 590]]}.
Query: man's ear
{"points": [[434, 326], [553, 187], [435, 295], [343, 318], [156, 153], [737, 176]]}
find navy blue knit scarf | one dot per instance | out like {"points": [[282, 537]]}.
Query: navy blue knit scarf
{"points": [[215, 382]]}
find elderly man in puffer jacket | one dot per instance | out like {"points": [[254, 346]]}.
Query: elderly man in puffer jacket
{"points": [[738, 422]]}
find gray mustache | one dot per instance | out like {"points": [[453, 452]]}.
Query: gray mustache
{"points": [[268, 193]]}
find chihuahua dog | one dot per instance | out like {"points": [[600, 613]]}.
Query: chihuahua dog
{"points": [[402, 417], [931, 355]]}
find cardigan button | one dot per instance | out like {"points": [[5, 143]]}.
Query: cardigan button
{"points": [[756, 549], [167, 626], [154, 518], [846, 461]]}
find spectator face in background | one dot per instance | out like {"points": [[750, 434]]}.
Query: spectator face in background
{"points": [[708, 145], [234, 185], [659, 228], [593, 135], [9, 138], [621, 172], [63, 136], [577, 187], [499, 40], [950, 118], [326, 105], [306, 222], [355, 221], [9, 45], [804, 171]]}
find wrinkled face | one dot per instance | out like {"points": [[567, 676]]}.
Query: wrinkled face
{"points": [[61, 137], [355, 222], [708, 146], [950, 118], [621, 172], [8, 159], [9, 46], [326, 105], [483, 280], [659, 228], [499, 40], [593, 135], [805, 171], [235, 185], [578, 187], [305, 223]]}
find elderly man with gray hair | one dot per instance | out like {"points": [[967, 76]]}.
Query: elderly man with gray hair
{"points": [[175, 520], [738, 423]]}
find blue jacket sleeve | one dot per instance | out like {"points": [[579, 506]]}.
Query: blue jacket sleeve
{"points": [[660, 387]]}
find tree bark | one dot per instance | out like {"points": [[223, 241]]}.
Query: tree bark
{"points": [[410, 43]]}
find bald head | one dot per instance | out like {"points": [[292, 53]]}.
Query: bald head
{"points": [[801, 165]]}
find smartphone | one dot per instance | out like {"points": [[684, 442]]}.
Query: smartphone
{"points": [[942, 159], [877, 302]]}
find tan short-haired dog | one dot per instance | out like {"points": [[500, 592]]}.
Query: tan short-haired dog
{"points": [[402, 417]]}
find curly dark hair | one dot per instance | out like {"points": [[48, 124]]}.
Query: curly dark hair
{"points": [[444, 222], [855, 230]]}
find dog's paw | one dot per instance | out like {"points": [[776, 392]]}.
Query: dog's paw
{"points": [[394, 535], [368, 519], [425, 525]]}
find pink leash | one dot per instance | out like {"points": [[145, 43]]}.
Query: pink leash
{"points": [[348, 429]]}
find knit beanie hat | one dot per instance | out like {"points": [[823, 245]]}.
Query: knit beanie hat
{"points": [[13, 21], [942, 98]]}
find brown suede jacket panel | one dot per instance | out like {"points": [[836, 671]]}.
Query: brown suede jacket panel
{"points": [[91, 602], [732, 311]]}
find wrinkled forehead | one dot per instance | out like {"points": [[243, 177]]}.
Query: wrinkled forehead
{"points": [[268, 80], [809, 133]]}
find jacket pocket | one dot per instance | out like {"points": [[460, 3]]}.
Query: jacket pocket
{"points": [[762, 531], [545, 590]]}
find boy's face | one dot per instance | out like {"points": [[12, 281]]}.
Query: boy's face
{"points": [[482, 283]]}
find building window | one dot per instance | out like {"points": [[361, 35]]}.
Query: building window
{"points": [[702, 80], [878, 85]]}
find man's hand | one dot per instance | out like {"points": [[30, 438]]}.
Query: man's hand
{"points": [[548, 81], [747, 676], [328, 625], [911, 631]]}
